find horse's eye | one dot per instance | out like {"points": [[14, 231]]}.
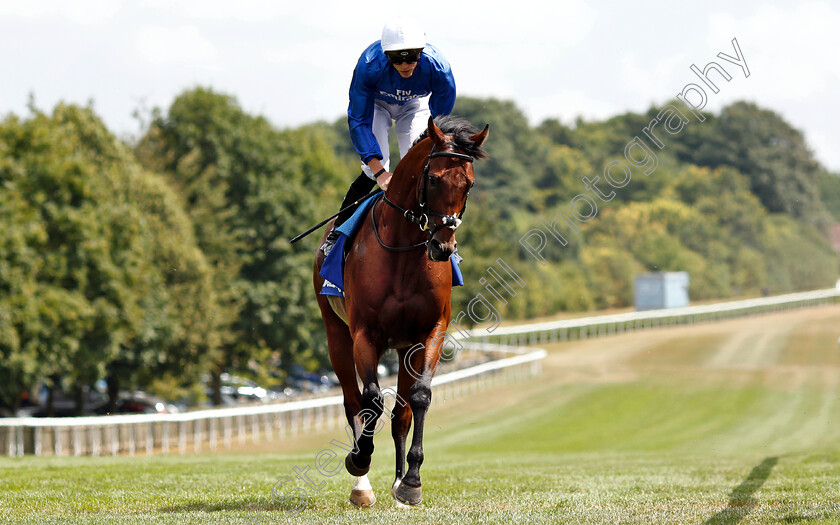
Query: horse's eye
{"points": [[433, 181]]}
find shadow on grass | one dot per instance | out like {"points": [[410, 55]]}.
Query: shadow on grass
{"points": [[256, 513], [286, 506], [822, 516], [202, 506], [741, 501]]}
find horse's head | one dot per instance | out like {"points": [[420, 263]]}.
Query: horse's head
{"points": [[446, 181]]}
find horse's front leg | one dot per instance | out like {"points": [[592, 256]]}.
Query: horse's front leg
{"points": [[420, 363]]}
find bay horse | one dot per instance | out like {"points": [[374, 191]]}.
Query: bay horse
{"points": [[398, 284]]}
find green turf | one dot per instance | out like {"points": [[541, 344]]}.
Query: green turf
{"points": [[727, 423]]}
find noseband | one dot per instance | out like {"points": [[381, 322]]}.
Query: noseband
{"points": [[423, 218]]}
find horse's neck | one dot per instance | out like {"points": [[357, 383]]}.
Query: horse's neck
{"points": [[405, 196], [402, 190], [394, 228]]}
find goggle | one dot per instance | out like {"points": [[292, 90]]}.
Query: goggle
{"points": [[409, 56]]}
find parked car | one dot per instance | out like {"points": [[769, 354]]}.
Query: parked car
{"points": [[314, 382], [236, 389], [138, 403]]}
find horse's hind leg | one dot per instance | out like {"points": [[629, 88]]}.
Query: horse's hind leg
{"points": [[366, 358], [341, 357]]}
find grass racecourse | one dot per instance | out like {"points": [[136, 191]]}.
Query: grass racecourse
{"points": [[734, 422]]}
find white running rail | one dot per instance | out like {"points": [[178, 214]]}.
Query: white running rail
{"points": [[192, 431]]}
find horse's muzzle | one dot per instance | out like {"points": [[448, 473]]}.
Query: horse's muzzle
{"points": [[440, 251]]}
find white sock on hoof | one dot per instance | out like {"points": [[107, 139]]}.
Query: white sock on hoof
{"points": [[362, 483], [362, 493], [397, 502]]}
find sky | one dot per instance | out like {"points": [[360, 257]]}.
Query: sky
{"points": [[291, 61]]}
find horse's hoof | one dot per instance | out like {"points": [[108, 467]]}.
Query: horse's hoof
{"points": [[405, 494], [353, 469], [362, 498]]}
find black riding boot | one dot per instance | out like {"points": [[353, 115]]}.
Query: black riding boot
{"points": [[360, 187]]}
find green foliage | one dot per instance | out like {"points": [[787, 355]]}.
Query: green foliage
{"points": [[611, 271], [707, 208], [249, 188], [180, 304], [829, 188], [78, 260], [771, 154], [515, 156], [798, 257]]}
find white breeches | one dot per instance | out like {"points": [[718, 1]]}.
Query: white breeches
{"points": [[410, 120]]}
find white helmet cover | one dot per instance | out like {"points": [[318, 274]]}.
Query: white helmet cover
{"points": [[402, 33]]}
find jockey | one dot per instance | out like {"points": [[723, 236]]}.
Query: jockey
{"points": [[399, 78]]}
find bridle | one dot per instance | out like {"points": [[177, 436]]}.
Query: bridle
{"points": [[422, 219]]}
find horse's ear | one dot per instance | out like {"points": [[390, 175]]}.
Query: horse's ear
{"points": [[478, 138], [437, 136]]}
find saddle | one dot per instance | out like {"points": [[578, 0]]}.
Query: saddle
{"points": [[332, 270]]}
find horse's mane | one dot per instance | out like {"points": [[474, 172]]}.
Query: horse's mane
{"points": [[461, 131]]}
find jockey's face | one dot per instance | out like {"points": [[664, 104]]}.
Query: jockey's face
{"points": [[405, 60], [405, 69]]}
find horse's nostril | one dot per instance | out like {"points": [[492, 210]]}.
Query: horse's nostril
{"points": [[437, 252]]}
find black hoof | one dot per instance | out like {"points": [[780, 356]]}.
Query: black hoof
{"points": [[353, 469], [407, 495]]}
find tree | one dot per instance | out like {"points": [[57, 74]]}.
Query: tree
{"points": [[829, 187], [516, 153], [86, 291], [248, 188], [19, 263], [178, 337], [772, 155]]}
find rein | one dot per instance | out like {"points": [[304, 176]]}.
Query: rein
{"points": [[423, 218]]}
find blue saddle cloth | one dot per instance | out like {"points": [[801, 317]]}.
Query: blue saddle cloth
{"points": [[333, 268]]}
